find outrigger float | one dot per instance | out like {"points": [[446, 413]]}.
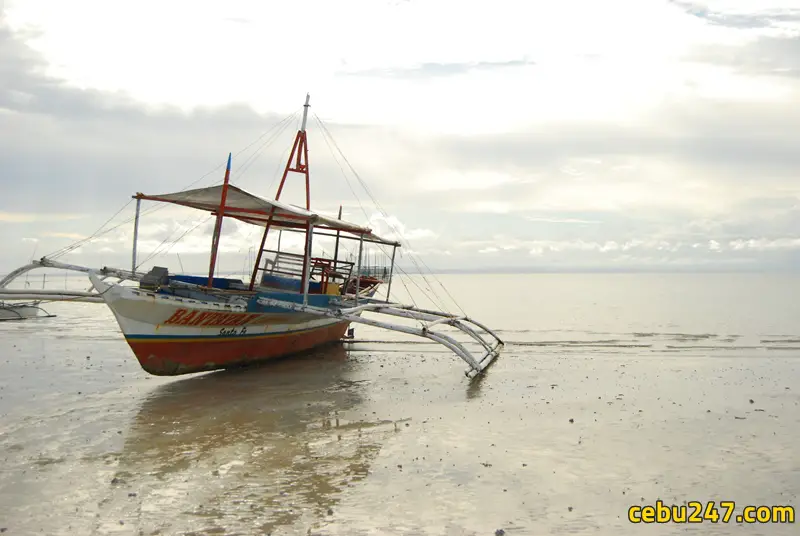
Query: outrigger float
{"points": [[180, 324]]}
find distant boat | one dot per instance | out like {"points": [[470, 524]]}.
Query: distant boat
{"points": [[22, 311], [179, 324]]}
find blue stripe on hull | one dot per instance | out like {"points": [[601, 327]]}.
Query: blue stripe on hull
{"points": [[226, 337]]}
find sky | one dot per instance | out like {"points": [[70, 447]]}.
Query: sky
{"points": [[576, 135]]}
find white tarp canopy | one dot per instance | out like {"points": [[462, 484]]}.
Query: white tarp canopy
{"points": [[255, 210]]}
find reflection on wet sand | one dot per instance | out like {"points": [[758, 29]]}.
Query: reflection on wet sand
{"points": [[251, 449], [474, 386]]}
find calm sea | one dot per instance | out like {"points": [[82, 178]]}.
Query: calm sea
{"points": [[612, 391]]}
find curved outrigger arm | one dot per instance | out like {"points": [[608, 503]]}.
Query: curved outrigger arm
{"points": [[428, 317], [59, 295]]}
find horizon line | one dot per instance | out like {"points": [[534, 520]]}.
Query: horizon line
{"points": [[516, 271]]}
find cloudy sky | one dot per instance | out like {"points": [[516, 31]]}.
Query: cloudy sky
{"points": [[568, 135]]}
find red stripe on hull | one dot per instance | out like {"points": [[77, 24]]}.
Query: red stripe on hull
{"points": [[176, 357]]}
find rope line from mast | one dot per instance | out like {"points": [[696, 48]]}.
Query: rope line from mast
{"points": [[281, 125], [360, 204], [248, 162], [386, 217], [379, 246], [279, 128]]}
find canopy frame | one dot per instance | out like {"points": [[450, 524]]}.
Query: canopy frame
{"points": [[228, 201]]}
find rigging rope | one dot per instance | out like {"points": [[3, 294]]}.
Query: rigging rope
{"points": [[281, 125], [386, 218], [155, 252], [358, 199], [275, 176], [77, 244], [279, 128]]}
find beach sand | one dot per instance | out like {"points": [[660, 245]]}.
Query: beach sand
{"points": [[565, 432]]}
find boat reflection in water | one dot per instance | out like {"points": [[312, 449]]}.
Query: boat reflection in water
{"points": [[252, 449]]}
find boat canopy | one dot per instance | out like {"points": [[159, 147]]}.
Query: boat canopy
{"points": [[255, 210]]}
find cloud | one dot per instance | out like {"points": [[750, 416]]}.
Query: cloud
{"points": [[74, 236], [762, 244], [561, 220], [777, 56], [433, 70], [391, 228], [487, 207], [451, 179], [756, 17], [771, 33], [26, 217], [678, 152]]}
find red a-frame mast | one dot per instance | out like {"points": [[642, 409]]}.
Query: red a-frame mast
{"points": [[297, 162]]}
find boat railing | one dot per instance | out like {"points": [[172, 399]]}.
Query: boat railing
{"points": [[286, 264]]}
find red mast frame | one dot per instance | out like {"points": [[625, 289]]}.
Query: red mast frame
{"points": [[298, 157]]}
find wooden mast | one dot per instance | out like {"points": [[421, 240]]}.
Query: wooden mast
{"points": [[299, 155], [218, 225]]}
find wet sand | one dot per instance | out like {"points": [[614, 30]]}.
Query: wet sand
{"points": [[375, 438]]}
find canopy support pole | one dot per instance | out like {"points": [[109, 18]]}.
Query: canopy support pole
{"points": [[218, 226], [306, 279], [261, 249], [135, 234], [336, 247], [358, 270], [391, 272]]}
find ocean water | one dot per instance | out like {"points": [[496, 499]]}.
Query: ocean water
{"points": [[613, 390]]}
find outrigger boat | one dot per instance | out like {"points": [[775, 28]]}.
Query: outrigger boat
{"points": [[179, 324], [22, 311]]}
